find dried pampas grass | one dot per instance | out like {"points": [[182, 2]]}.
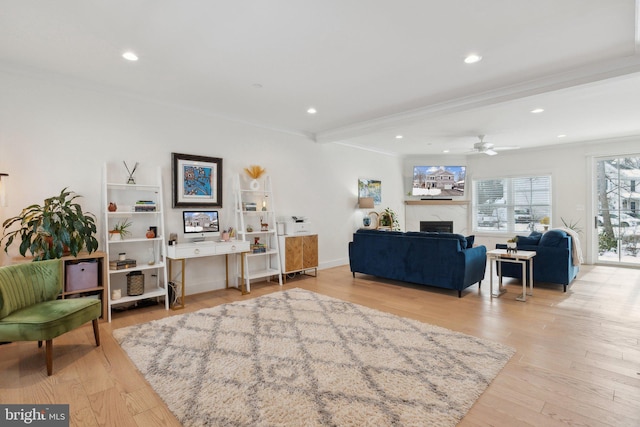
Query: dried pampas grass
{"points": [[254, 171]]}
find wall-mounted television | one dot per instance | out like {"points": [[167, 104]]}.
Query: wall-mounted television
{"points": [[438, 181], [198, 225]]}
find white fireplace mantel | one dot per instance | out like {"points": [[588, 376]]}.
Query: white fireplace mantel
{"points": [[437, 210]]}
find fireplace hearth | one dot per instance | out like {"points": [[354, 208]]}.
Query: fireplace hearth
{"points": [[437, 226]]}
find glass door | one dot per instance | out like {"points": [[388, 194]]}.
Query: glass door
{"points": [[617, 220]]}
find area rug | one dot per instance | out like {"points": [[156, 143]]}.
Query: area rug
{"points": [[298, 358]]}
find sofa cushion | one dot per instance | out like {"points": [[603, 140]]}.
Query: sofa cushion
{"points": [[552, 238], [420, 233], [460, 237], [532, 239]]}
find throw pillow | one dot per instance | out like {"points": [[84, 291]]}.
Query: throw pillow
{"points": [[470, 240], [552, 238], [532, 240]]}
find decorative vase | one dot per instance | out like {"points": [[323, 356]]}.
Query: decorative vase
{"points": [[112, 207], [254, 185], [150, 234], [225, 236], [114, 236]]}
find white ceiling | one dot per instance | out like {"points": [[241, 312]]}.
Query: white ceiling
{"points": [[372, 68]]}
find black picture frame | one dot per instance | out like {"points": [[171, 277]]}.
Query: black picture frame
{"points": [[197, 181]]}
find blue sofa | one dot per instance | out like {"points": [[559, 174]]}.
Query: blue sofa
{"points": [[553, 260], [433, 259]]}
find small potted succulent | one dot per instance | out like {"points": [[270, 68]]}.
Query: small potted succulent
{"points": [[512, 244]]}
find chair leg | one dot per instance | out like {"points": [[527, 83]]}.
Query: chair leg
{"points": [[49, 352], [96, 332]]}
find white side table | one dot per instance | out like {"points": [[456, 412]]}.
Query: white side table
{"points": [[519, 257]]}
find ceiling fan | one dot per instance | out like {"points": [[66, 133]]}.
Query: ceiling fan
{"points": [[488, 148]]}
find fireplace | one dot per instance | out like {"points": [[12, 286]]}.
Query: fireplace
{"points": [[438, 226]]}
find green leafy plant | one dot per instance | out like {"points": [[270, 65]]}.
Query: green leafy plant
{"points": [[388, 218], [56, 228], [122, 228], [513, 240], [571, 225]]}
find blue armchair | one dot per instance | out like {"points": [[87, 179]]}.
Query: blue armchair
{"points": [[553, 262]]}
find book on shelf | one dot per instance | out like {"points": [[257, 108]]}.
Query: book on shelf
{"points": [[258, 248], [122, 264], [144, 207]]}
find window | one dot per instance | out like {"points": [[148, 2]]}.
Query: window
{"points": [[510, 205]]}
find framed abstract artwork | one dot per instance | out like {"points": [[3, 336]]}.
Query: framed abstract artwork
{"points": [[197, 181], [370, 188]]}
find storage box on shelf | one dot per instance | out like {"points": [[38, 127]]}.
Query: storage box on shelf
{"points": [[139, 253], [85, 275], [256, 224]]}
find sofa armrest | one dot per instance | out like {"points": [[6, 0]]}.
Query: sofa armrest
{"points": [[475, 263]]}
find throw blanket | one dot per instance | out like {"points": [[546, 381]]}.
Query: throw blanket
{"points": [[576, 249]]}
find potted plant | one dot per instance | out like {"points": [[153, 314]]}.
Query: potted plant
{"points": [[545, 222], [120, 230], [388, 218], [56, 228]]}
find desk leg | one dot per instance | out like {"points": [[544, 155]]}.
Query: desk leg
{"points": [[491, 277], [182, 263], [500, 290], [226, 269], [531, 276], [244, 285], [523, 298]]}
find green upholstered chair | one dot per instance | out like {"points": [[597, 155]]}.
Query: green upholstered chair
{"points": [[31, 311]]}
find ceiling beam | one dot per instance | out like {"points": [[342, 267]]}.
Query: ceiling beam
{"points": [[593, 73]]}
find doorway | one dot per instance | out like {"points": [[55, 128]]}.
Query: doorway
{"points": [[617, 220]]}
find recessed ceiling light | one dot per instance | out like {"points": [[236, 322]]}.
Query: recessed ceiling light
{"points": [[445, 151], [537, 110], [472, 59], [399, 136], [562, 135], [312, 110], [130, 56]]}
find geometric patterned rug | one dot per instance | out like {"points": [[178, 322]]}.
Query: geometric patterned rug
{"points": [[296, 357]]}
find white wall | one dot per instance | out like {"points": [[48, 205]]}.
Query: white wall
{"points": [[55, 135], [570, 166]]}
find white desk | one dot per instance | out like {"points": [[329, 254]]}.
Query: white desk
{"points": [[519, 257], [183, 251]]}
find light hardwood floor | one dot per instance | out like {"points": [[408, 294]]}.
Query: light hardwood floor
{"points": [[577, 359]]}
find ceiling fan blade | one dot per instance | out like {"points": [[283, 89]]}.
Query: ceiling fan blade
{"points": [[505, 148], [490, 152]]}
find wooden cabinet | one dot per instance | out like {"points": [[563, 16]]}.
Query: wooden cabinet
{"points": [[300, 253]]}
